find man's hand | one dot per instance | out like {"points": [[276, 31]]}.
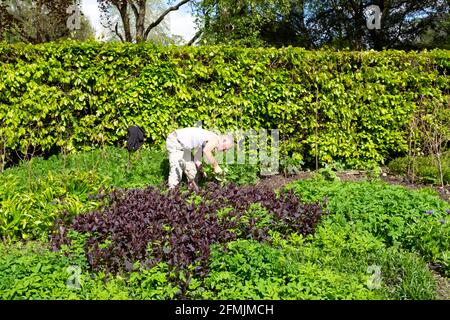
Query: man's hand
{"points": [[218, 170]]}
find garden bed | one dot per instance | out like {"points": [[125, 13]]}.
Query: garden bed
{"points": [[112, 236]]}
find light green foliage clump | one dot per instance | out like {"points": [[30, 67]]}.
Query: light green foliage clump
{"points": [[32, 271]]}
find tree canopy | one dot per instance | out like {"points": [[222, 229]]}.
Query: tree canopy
{"points": [[38, 21], [334, 23], [340, 24]]}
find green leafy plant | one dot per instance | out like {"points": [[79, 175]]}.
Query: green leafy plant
{"points": [[417, 220], [240, 174], [63, 187], [32, 271], [26, 213], [332, 264], [425, 168], [327, 174]]}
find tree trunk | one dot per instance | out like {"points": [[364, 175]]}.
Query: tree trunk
{"points": [[140, 21], [126, 21]]}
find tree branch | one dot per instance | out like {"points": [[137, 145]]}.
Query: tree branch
{"points": [[196, 36], [162, 16], [135, 9], [116, 30]]}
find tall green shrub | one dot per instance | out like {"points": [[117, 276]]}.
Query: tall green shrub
{"points": [[349, 106]]}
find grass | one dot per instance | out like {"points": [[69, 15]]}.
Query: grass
{"points": [[145, 167]]}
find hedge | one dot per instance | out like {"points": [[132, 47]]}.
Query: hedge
{"points": [[352, 107]]}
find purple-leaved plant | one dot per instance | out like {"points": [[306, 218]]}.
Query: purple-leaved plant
{"points": [[150, 226]]}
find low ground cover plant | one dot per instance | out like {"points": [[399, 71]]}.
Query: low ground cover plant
{"points": [[416, 220]]}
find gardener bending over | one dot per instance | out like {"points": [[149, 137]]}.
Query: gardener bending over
{"points": [[180, 145]]}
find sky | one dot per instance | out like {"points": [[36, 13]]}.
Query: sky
{"points": [[181, 21]]}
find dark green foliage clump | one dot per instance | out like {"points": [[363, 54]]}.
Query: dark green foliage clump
{"points": [[425, 169]]}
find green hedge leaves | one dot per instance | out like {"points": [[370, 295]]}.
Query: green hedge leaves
{"points": [[350, 106]]}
